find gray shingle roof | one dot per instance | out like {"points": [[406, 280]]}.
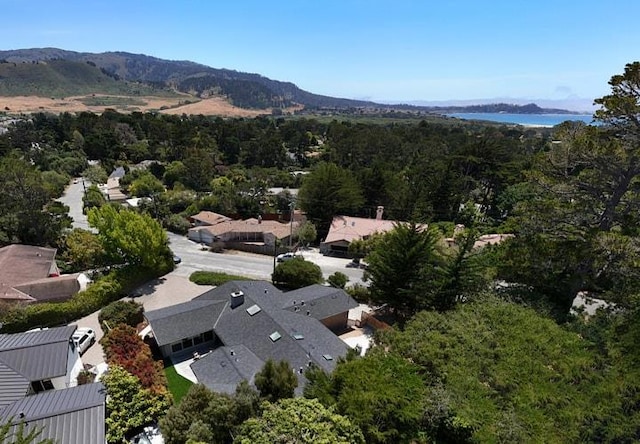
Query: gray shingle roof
{"points": [[320, 301], [237, 327], [224, 368], [171, 324], [71, 416], [301, 339]]}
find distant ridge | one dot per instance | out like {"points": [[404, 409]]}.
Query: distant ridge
{"points": [[52, 71]]}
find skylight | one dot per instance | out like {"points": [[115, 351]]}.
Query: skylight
{"points": [[275, 336], [328, 357], [298, 336], [253, 310]]}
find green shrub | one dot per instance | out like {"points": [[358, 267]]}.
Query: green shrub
{"points": [[213, 278], [121, 312], [297, 273], [176, 224], [359, 292], [338, 279]]}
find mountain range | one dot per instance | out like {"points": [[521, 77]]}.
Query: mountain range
{"points": [[52, 72]]}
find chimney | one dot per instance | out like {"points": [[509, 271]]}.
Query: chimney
{"points": [[237, 299], [379, 212]]}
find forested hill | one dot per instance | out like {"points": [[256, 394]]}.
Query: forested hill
{"points": [[115, 69], [244, 90]]}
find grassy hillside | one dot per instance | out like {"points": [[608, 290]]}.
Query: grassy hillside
{"points": [[63, 78]]}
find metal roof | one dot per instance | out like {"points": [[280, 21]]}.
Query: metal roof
{"points": [[13, 385], [71, 416], [32, 338], [37, 355]]}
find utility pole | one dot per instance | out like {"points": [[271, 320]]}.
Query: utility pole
{"points": [[292, 206]]}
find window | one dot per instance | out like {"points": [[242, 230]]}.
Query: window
{"points": [[187, 342], [41, 386], [253, 310], [208, 336], [176, 347], [197, 340]]}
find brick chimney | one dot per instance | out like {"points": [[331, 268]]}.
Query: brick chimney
{"points": [[379, 212]]}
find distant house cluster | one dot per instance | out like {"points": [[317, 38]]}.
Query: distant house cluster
{"points": [[236, 327], [29, 274], [38, 387]]}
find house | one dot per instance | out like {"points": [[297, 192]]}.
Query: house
{"points": [[207, 219], [30, 274], [238, 234], [346, 229], [38, 386], [242, 324], [37, 361], [111, 189]]}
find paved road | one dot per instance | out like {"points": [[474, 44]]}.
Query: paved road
{"points": [[72, 198], [247, 264]]}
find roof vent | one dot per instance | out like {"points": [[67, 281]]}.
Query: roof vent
{"points": [[308, 313], [275, 336], [232, 352], [253, 310], [237, 299]]}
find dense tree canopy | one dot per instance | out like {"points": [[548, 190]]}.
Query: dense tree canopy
{"points": [[132, 238], [513, 375], [298, 420], [129, 406], [329, 191], [579, 230]]}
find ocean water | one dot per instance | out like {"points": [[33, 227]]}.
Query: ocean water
{"points": [[525, 119]]}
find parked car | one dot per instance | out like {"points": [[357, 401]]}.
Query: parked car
{"points": [[355, 263], [176, 259], [84, 338], [287, 256]]}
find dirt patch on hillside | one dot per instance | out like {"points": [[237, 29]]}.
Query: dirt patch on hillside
{"points": [[215, 106]]}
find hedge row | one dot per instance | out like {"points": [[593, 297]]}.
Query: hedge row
{"points": [[214, 278], [117, 284]]}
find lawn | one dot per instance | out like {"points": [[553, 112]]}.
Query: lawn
{"points": [[178, 386]]}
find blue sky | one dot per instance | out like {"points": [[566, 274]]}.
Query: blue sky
{"points": [[399, 50]]}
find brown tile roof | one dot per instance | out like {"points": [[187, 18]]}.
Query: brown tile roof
{"points": [[237, 227], [210, 218], [347, 228], [25, 272], [24, 263]]}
